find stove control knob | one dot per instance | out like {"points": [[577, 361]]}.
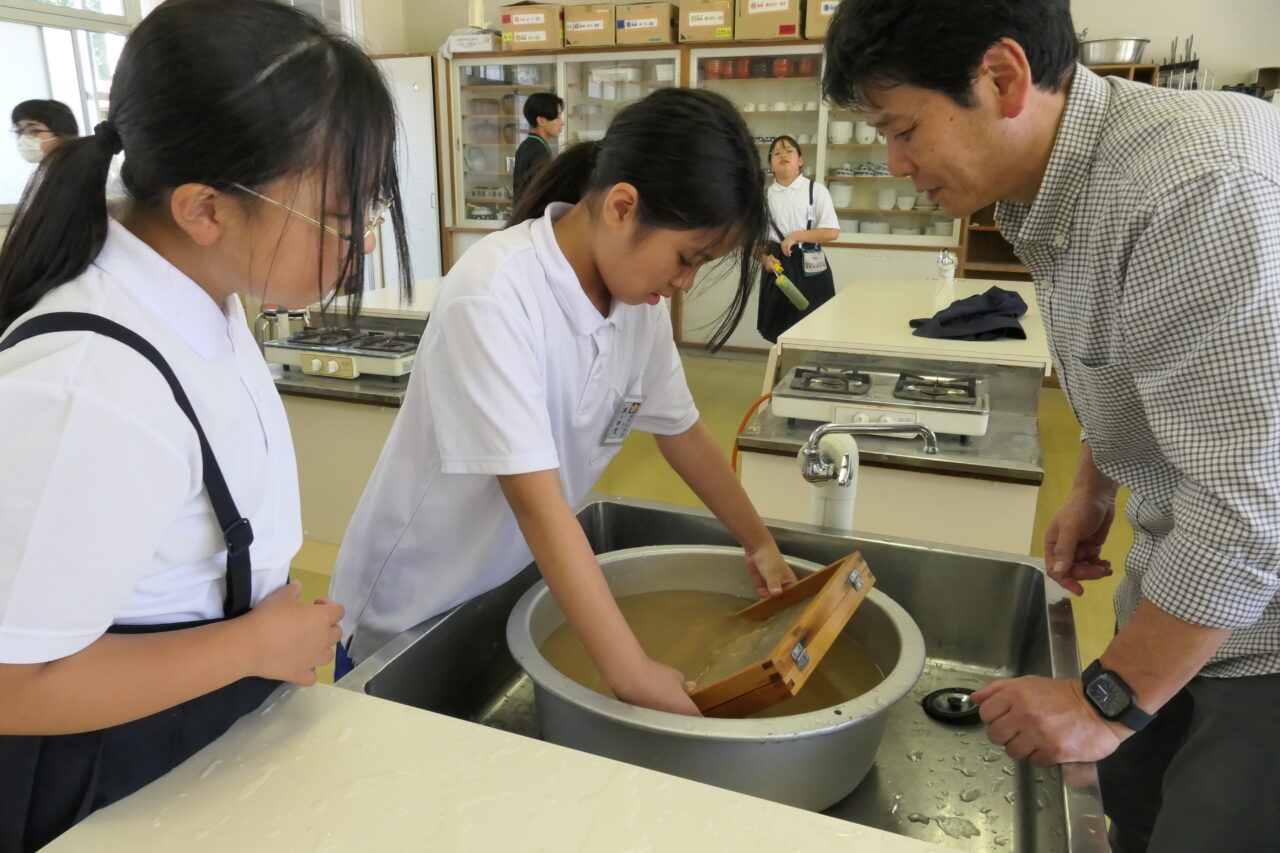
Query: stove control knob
{"points": [[888, 419], [861, 418], [316, 365], [331, 367]]}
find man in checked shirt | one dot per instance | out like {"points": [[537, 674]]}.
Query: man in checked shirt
{"points": [[1150, 221]]}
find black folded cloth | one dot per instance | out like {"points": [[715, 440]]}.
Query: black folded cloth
{"points": [[988, 316]]}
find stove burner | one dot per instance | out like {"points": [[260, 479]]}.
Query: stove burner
{"points": [[388, 343], [831, 381], [325, 337], [936, 389]]}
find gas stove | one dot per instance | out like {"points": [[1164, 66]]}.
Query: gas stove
{"points": [[345, 353], [825, 393]]}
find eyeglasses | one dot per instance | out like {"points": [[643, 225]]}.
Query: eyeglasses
{"points": [[379, 212], [37, 132]]}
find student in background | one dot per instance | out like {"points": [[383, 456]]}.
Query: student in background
{"points": [[40, 125], [544, 113], [801, 219]]}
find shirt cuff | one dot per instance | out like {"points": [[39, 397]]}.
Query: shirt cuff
{"points": [[500, 465], [1206, 587], [27, 647], [666, 426]]}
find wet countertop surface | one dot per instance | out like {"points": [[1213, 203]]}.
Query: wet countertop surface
{"points": [[326, 769], [1010, 449]]}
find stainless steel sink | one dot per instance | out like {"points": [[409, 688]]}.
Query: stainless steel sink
{"points": [[984, 616]]}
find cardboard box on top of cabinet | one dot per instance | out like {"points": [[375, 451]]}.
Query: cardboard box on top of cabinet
{"points": [[646, 23], [532, 26], [706, 20], [817, 17], [588, 25], [766, 19], [474, 41]]}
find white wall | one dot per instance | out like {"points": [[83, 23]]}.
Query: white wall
{"points": [[1233, 37], [384, 25]]}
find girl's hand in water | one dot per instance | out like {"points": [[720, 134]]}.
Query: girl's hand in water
{"points": [[293, 637], [657, 686], [769, 572]]}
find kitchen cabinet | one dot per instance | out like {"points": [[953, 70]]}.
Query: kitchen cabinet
{"points": [[597, 86], [487, 104]]}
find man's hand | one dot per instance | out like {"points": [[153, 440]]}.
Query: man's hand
{"points": [[1073, 543], [1047, 720]]}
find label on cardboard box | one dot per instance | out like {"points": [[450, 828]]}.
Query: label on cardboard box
{"points": [[829, 6], [756, 7], [724, 32], [638, 23], [530, 35], [579, 26], [525, 19], [706, 19]]}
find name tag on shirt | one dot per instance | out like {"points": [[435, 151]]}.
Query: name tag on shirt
{"points": [[623, 417]]}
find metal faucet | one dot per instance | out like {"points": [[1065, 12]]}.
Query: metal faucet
{"points": [[816, 469]]}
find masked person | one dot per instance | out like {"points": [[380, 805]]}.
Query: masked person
{"points": [[40, 126]]}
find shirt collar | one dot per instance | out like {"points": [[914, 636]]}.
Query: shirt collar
{"points": [[798, 184], [573, 300], [1048, 218], [164, 291]]}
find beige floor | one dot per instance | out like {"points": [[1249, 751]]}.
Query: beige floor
{"points": [[724, 387]]}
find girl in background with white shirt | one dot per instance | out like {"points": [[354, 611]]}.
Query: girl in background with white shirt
{"points": [[149, 509], [548, 341], [801, 219]]}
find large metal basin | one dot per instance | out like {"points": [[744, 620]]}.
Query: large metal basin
{"points": [[984, 615], [810, 760]]}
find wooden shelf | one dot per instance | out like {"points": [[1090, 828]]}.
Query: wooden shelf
{"points": [[519, 87], [894, 210], [994, 266], [481, 200], [704, 80], [865, 178], [984, 227]]}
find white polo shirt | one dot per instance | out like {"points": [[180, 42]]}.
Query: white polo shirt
{"points": [[789, 207], [103, 514], [517, 372]]}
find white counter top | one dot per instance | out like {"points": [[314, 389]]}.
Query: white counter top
{"points": [[871, 317], [325, 769], [390, 302]]}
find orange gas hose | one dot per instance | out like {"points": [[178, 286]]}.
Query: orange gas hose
{"points": [[733, 457]]}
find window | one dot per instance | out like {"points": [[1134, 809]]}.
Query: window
{"points": [[73, 66]]}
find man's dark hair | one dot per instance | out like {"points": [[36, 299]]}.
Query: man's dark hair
{"points": [[54, 115], [939, 45], [542, 105]]}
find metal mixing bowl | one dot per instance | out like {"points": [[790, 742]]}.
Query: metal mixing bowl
{"points": [[810, 760], [1126, 51]]}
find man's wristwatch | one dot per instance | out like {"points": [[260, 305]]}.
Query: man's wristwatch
{"points": [[1113, 698]]}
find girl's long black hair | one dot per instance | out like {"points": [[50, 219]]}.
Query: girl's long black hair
{"points": [[214, 92], [694, 165]]}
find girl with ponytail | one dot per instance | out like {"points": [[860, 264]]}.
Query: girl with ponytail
{"points": [[548, 342], [150, 508]]}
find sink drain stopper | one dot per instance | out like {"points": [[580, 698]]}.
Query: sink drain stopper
{"points": [[951, 705]]}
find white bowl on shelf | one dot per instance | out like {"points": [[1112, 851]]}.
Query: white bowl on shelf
{"points": [[874, 228], [841, 194], [907, 232]]}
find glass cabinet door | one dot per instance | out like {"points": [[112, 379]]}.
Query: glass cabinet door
{"points": [[874, 206], [488, 105], [597, 86], [777, 90]]}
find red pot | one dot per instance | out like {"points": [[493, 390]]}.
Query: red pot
{"points": [[782, 68]]}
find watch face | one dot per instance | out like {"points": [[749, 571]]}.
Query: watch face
{"points": [[1110, 697]]}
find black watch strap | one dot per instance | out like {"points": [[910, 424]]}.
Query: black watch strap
{"points": [[1131, 716]]}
